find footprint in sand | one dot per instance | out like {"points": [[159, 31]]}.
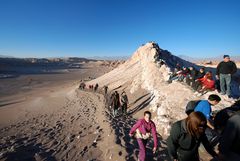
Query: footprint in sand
{"points": [[71, 137], [85, 149], [97, 127], [65, 147], [51, 134], [53, 143]]}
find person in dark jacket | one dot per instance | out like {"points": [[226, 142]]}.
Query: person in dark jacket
{"points": [[229, 145], [105, 88], [115, 103], [95, 87], [183, 74], [222, 116], [175, 75], [192, 76], [186, 136], [225, 70], [124, 102], [200, 74]]}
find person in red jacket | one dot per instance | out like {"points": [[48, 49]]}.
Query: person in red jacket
{"points": [[143, 130], [205, 84]]}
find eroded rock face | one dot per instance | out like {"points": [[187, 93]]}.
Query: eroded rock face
{"points": [[149, 69], [147, 53]]}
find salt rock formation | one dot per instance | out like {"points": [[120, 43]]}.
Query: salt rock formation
{"points": [[145, 70]]}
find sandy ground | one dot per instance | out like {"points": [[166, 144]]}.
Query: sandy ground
{"points": [[50, 119], [46, 116]]}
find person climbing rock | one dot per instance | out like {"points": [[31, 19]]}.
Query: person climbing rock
{"points": [[143, 129]]}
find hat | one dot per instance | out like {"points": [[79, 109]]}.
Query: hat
{"points": [[226, 56]]}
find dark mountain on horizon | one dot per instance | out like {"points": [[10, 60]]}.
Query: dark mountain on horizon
{"points": [[6, 56], [109, 57], [217, 58]]}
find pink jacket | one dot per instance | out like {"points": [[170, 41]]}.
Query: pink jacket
{"points": [[146, 127]]}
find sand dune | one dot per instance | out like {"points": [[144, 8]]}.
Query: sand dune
{"points": [[46, 117]]}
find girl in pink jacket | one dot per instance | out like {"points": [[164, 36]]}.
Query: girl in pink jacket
{"points": [[143, 130]]}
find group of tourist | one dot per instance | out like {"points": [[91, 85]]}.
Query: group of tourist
{"points": [[201, 126], [203, 81], [118, 103], [188, 134]]}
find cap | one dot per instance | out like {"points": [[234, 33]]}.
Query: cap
{"points": [[226, 56]]}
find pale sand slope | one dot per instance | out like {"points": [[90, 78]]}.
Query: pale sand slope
{"points": [[166, 101], [67, 125], [56, 122]]}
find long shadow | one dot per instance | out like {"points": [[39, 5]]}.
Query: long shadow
{"points": [[122, 126], [142, 105], [29, 152], [138, 99], [117, 88]]}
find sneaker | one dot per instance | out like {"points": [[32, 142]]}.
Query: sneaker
{"points": [[196, 92], [235, 99], [225, 97], [231, 99]]}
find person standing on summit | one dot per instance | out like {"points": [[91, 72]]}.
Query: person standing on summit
{"points": [[225, 70]]}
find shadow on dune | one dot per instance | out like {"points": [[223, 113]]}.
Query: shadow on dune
{"points": [[142, 105], [122, 126], [140, 98], [29, 152]]}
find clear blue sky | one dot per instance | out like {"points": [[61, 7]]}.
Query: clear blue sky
{"points": [[50, 28]]}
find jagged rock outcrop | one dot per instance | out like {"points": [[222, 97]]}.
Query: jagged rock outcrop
{"points": [[149, 69]]}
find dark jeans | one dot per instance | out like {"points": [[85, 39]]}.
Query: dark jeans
{"points": [[225, 80], [197, 86], [212, 136], [190, 81], [124, 108], [231, 157]]}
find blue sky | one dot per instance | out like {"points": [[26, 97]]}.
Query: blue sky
{"points": [[85, 28]]}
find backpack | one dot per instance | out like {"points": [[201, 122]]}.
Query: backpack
{"points": [[191, 106], [222, 116]]}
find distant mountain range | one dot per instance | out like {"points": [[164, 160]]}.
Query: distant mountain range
{"points": [[5, 56], [109, 57], [91, 58], [184, 57], [218, 58]]}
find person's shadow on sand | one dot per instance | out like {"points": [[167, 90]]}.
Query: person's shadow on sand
{"points": [[29, 152], [122, 126]]}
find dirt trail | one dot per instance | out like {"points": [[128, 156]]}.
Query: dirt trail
{"points": [[72, 132]]}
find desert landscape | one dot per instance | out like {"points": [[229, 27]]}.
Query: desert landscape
{"points": [[45, 116]]}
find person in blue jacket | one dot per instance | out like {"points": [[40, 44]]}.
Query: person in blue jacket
{"points": [[204, 106]]}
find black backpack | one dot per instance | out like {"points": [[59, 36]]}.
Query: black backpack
{"points": [[191, 106], [222, 116]]}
